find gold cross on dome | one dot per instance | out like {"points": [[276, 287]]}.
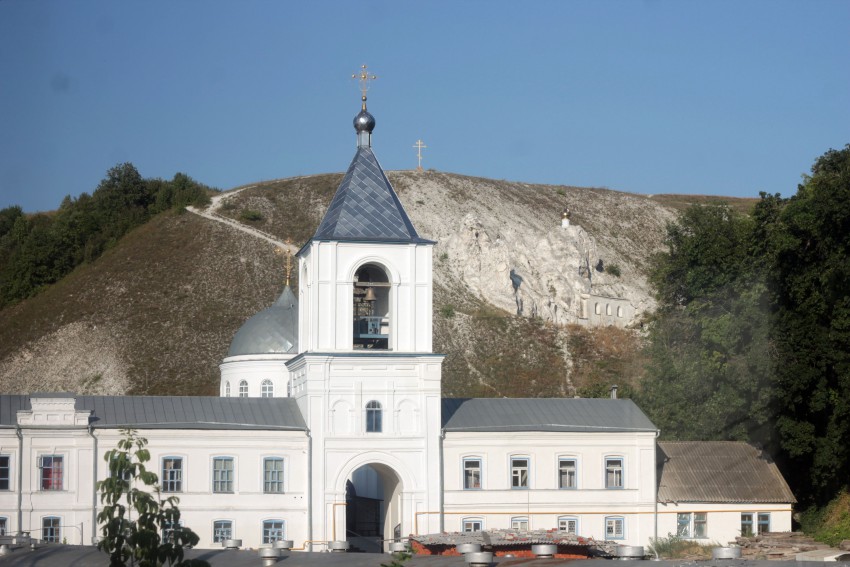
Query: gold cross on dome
{"points": [[419, 147], [288, 253], [364, 77]]}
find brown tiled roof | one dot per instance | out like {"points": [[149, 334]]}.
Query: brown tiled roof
{"points": [[718, 471]]}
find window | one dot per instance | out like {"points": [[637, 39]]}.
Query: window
{"points": [[223, 474], [222, 530], [51, 472], [746, 525], [615, 528], [51, 529], [471, 474], [613, 472], [371, 308], [373, 417], [273, 475], [243, 389], [691, 525], [273, 530], [267, 389], [5, 476], [566, 473], [568, 524], [172, 474], [520, 523], [4, 525], [519, 472], [227, 389], [472, 524], [764, 523], [168, 529]]}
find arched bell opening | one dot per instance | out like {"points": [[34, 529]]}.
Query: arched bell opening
{"points": [[373, 507], [371, 310]]}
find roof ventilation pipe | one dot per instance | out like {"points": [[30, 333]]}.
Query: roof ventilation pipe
{"points": [[544, 550], [613, 391]]}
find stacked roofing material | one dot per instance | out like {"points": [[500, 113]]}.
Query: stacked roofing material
{"points": [[511, 541]]}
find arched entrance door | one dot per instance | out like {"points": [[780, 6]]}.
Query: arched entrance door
{"points": [[373, 507]]}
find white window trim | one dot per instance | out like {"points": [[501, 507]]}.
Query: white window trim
{"points": [[10, 471], [263, 529], [463, 462], [605, 460], [520, 519], [183, 473], [692, 516], [511, 472], [263, 474], [478, 519], [212, 474], [622, 519], [65, 471], [6, 529], [568, 518], [59, 527], [232, 528], [558, 471]]}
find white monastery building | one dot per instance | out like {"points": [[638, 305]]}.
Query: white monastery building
{"points": [[331, 425]]}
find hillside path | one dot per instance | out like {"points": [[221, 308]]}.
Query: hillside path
{"points": [[211, 213]]}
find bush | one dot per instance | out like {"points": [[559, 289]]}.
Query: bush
{"points": [[613, 269], [251, 215], [447, 311], [830, 524], [675, 547]]}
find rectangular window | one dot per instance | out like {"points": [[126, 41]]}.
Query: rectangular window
{"points": [[51, 529], [567, 473], [615, 528], [4, 526], [692, 525], [222, 530], [273, 531], [519, 524], [172, 474], [52, 471], [473, 524], [471, 474], [746, 525], [223, 474], [569, 525], [519, 473], [5, 469], [168, 529], [700, 525], [273, 475], [683, 525], [764, 522], [614, 473]]}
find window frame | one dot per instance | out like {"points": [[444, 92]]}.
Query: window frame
{"points": [[266, 389], [169, 488], [616, 519], [568, 519], [747, 532], [48, 483], [472, 520], [565, 458], [607, 471], [4, 525], [521, 520], [374, 417], [472, 459], [5, 473], [227, 389], [169, 528], [217, 482], [243, 388], [760, 523], [518, 469], [271, 530], [282, 471], [54, 531], [215, 537]]}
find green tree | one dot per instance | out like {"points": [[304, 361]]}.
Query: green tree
{"points": [[140, 528]]}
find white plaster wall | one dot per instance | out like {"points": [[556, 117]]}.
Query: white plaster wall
{"points": [[254, 369], [723, 519]]}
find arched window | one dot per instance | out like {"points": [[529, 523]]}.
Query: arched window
{"points": [[597, 308], [620, 311], [227, 389], [519, 523], [267, 389], [243, 388], [607, 308], [371, 308], [373, 417]]}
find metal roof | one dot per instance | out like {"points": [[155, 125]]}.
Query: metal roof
{"points": [[273, 330], [175, 412], [543, 414], [365, 207], [718, 471]]}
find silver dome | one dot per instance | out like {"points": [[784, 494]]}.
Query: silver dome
{"points": [[364, 122], [271, 331]]}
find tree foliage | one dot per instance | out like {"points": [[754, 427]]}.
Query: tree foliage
{"points": [[752, 336], [139, 527], [38, 250]]}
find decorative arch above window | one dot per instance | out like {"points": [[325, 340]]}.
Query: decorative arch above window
{"points": [[374, 417], [371, 307], [267, 389]]}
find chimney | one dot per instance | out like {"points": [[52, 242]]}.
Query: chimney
{"points": [[613, 391]]}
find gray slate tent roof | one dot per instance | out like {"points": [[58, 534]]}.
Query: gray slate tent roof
{"points": [[273, 330], [365, 207], [718, 471], [543, 414], [174, 412]]}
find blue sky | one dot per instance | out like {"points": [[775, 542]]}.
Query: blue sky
{"points": [[725, 98]]}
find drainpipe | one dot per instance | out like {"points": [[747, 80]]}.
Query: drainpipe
{"points": [[655, 537], [309, 490], [20, 435], [442, 481], [93, 488]]}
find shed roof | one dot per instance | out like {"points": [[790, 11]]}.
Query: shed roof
{"points": [[543, 414], [718, 471], [175, 412]]}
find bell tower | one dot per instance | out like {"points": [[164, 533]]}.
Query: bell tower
{"points": [[365, 378]]}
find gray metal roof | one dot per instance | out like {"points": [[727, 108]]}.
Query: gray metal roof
{"points": [[543, 414], [365, 206], [273, 330], [718, 471], [175, 412]]}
